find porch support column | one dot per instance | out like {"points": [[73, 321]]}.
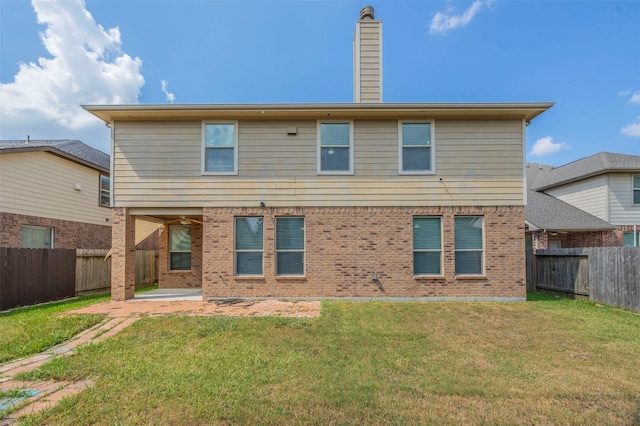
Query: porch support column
{"points": [[209, 275], [123, 254]]}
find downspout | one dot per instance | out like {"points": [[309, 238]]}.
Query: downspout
{"points": [[635, 235]]}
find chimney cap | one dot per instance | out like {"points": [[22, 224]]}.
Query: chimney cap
{"points": [[366, 12]]}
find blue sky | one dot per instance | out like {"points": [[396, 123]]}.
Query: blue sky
{"points": [[583, 55]]}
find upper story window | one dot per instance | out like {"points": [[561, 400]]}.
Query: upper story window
{"points": [[335, 147], [469, 245], [636, 189], [427, 245], [105, 191], [415, 147], [32, 236], [220, 148]]}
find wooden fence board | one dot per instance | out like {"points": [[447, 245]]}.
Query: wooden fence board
{"points": [[31, 276], [608, 275]]}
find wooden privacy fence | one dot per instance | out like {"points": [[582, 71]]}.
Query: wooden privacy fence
{"points": [[93, 271], [30, 276], [609, 275]]}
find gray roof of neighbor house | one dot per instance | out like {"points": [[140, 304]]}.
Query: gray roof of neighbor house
{"points": [[73, 150], [546, 212], [586, 167]]}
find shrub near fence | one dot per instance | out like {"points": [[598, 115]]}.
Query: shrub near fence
{"points": [[608, 275], [30, 276]]}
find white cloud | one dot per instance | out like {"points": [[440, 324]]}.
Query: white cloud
{"points": [[624, 93], [545, 146], [635, 98], [445, 21], [170, 96], [633, 129], [86, 66]]}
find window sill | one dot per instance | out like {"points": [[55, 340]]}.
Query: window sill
{"points": [[428, 277], [291, 277], [471, 277], [336, 173], [220, 173], [179, 271], [416, 172], [249, 277]]}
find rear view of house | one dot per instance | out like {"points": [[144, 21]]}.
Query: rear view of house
{"points": [[54, 194], [365, 199]]}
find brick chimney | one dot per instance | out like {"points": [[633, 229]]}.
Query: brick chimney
{"points": [[367, 58]]}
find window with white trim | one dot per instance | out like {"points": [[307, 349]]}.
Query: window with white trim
{"points": [[469, 245], [335, 147], [415, 147], [636, 189], [220, 148], [32, 236], [179, 247], [105, 190], [249, 246], [427, 245], [290, 246]]}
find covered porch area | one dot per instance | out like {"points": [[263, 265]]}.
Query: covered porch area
{"points": [[180, 239]]}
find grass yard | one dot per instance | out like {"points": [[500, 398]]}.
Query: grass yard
{"points": [[32, 329], [548, 361]]}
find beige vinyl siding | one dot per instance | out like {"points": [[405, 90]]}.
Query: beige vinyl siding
{"points": [[589, 194], [622, 209], [370, 60], [157, 164], [42, 184]]}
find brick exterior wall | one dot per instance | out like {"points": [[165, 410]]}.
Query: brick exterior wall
{"points": [[67, 234], [180, 279], [123, 255], [613, 238], [345, 246]]}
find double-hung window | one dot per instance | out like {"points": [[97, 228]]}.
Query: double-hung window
{"points": [[249, 245], [636, 189], [220, 148], [335, 147], [427, 245], [415, 147], [180, 247], [289, 246], [32, 236], [105, 190], [469, 245]]}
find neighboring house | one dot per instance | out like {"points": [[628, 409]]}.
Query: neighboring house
{"points": [[54, 194], [361, 199], [591, 202]]}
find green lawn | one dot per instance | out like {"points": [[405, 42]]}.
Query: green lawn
{"points": [[547, 361], [29, 330]]}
